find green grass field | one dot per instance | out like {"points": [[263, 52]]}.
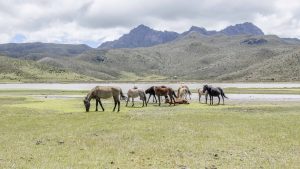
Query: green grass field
{"points": [[58, 133]]}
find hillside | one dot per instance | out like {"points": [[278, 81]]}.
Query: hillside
{"points": [[35, 51], [214, 58], [23, 70]]}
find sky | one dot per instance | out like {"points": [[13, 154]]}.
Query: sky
{"points": [[93, 22]]}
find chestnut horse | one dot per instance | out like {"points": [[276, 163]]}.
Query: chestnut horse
{"points": [[151, 92], [165, 91]]}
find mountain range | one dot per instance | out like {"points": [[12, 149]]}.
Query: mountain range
{"points": [[143, 36], [237, 53]]}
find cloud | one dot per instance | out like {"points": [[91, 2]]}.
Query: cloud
{"points": [[95, 21]]}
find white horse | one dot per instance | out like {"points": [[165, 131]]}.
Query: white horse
{"points": [[183, 91], [134, 93]]}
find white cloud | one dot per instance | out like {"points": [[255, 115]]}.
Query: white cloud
{"points": [[81, 21]]}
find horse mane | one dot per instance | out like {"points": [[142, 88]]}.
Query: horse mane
{"points": [[90, 96]]}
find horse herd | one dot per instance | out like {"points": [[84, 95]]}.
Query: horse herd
{"points": [[104, 92]]}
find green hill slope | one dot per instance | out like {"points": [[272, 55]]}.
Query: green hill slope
{"points": [[15, 70], [191, 57]]}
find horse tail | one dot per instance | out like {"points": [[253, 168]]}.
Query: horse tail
{"points": [[223, 94], [122, 95]]}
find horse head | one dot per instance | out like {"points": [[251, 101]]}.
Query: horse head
{"points": [[205, 88], [149, 90], [87, 104]]}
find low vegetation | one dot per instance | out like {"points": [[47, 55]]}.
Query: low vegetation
{"points": [[191, 57], [58, 133], [15, 70]]}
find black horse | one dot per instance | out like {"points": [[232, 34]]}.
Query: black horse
{"points": [[213, 91], [151, 92]]}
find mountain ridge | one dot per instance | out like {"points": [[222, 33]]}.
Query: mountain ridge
{"points": [[144, 36]]}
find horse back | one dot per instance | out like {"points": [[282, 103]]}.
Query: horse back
{"points": [[161, 91], [105, 92], [133, 93]]}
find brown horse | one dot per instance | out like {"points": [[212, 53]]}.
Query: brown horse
{"points": [[134, 93], [151, 92], [165, 91], [103, 92], [178, 101]]}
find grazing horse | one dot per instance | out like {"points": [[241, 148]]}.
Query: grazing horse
{"points": [[187, 90], [134, 93], [165, 91], [151, 92], [103, 92], [200, 93], [214, 91]]}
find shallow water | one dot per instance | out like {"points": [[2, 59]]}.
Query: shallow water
{"points": [[126, 86]]}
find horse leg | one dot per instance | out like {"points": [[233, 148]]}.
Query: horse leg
{"points": [[96, 105], [118, 105], [115, 104], [219, 99], [145, 99], [132, 102], [199, 97], [223, 99], [173, 99], [206, 99], [148, 98], [101, 104], [127, 100], [158, 100], [155, 98]]}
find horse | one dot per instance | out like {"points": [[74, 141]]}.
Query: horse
{"points": [[200, 93], [165, 91], [182, 93], [103, 92], [178, 101], [187, 91], [151, 92], [214, 91], [134, 93]]}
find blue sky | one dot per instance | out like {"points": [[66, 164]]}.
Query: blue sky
{"points": [[95, 21]]}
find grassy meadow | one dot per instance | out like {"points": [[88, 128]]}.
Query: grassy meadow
{"points": [[58, 133]]}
